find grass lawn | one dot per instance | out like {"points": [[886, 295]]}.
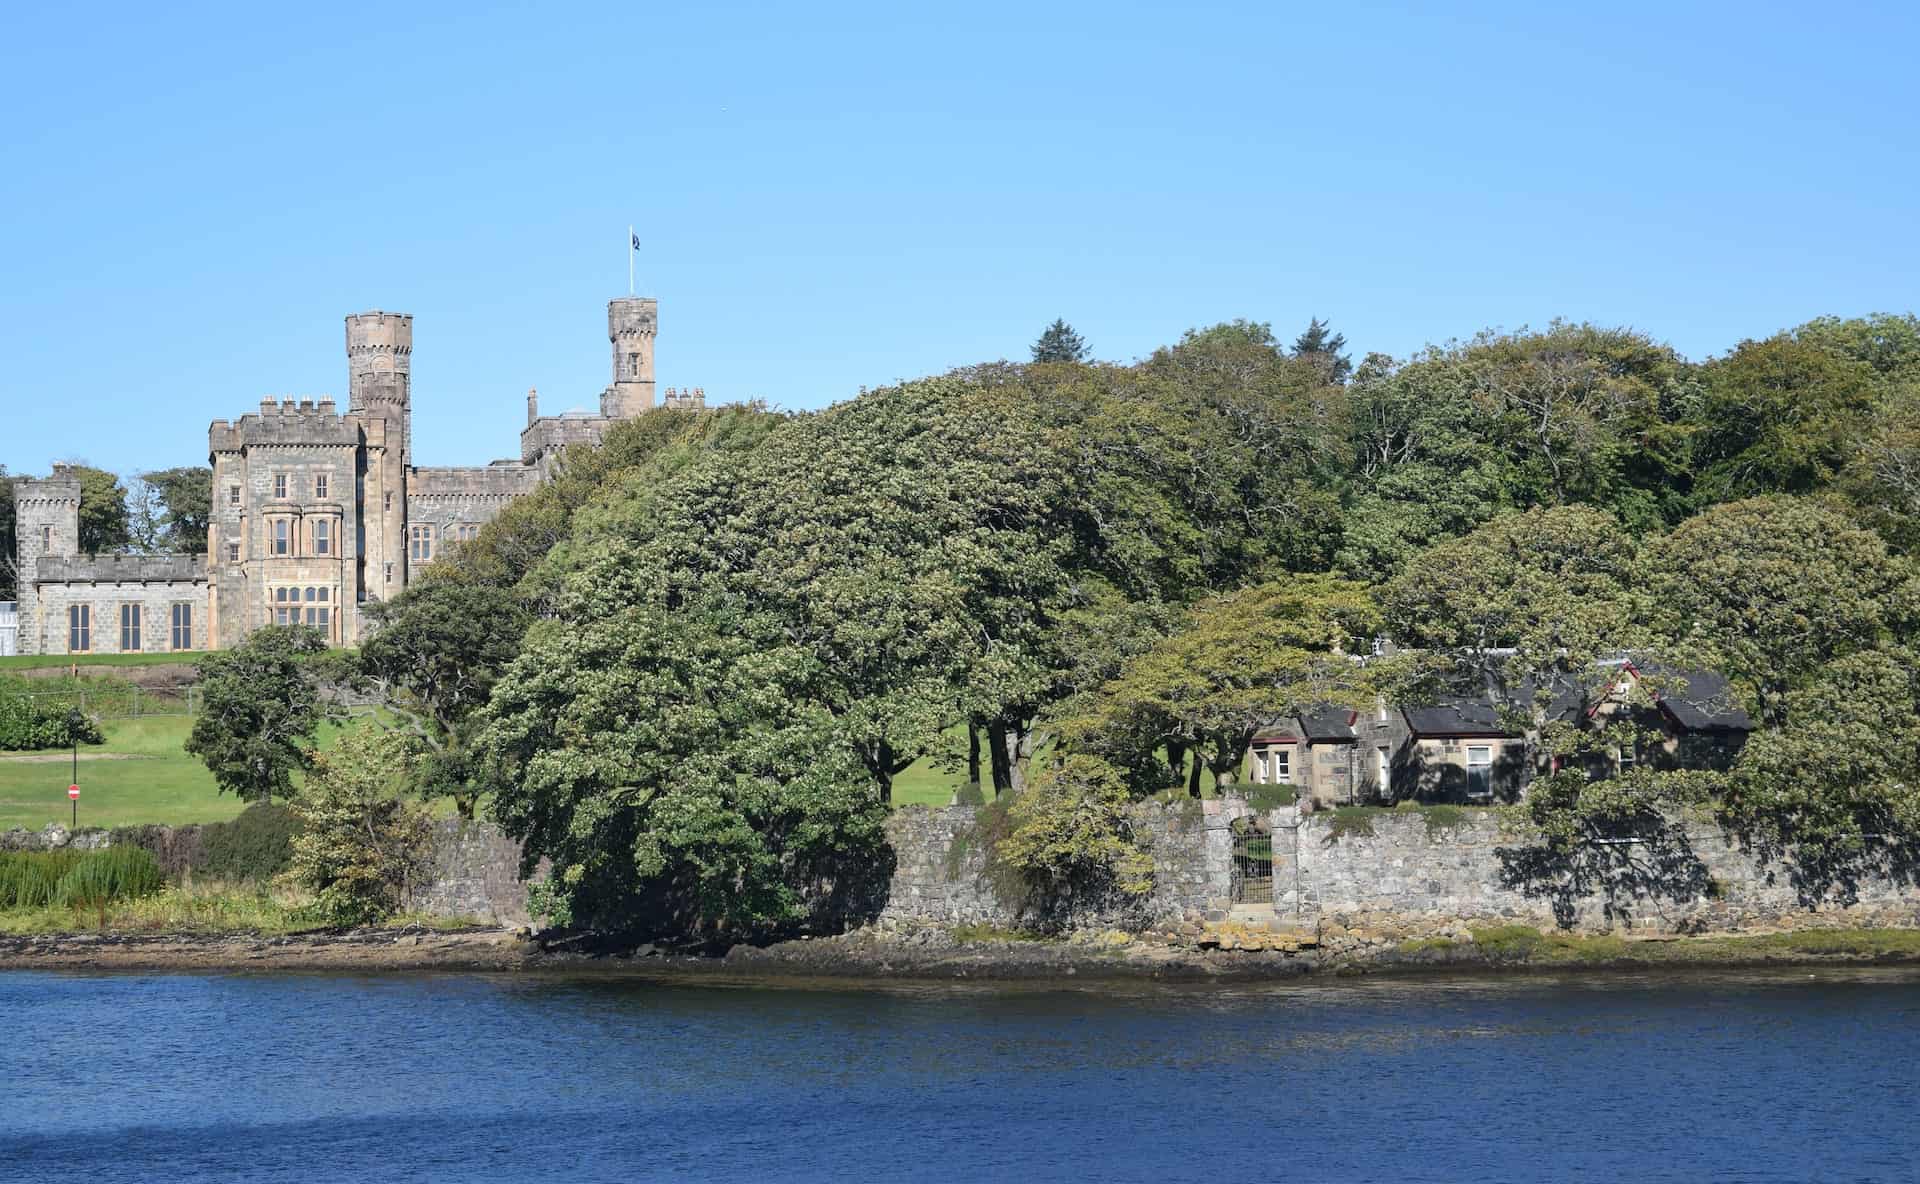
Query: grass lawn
{"points": [[158, 782], [43, 661]]}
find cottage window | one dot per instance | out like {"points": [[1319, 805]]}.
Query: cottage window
{"points": [[280, 486], [79, 628], [281, 536], [320, 486], [1383, 769], [1479, 771], [129, 628], [322, 537], [182, 626], [1282, 767], [1628, 756]]}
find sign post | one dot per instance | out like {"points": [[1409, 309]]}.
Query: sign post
{"points": [[73, 792]]}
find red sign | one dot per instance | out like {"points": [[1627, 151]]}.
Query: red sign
{"points": [[73, 791]]}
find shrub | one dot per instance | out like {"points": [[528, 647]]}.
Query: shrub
{"points": [[359, 848], [28, 723], [256, 846]]}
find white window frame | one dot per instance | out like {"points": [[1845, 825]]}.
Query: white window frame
{"points": [[1484, 767]]}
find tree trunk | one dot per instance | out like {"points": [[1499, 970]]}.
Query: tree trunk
{"points": [[997, 754], [1025, 742], [973, 752], [1176, 760], [1193, 776]]}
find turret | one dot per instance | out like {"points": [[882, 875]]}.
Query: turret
{"points": [[631, 322], [379, 372], [533, 405]]}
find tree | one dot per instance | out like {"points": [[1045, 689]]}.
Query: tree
{"points": [[183, 499], [9, 541], [1323, 349], [1524, 604], [360, 848], [1771, 589], [439, 647], [104, 526], [259, 710], [1779, 417], [1241, 661], [1059, 343]]}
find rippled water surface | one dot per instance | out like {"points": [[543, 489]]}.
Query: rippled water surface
{"points": [[475, 1077]]}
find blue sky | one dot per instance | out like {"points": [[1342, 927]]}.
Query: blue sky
{"points": [[833, 196]]}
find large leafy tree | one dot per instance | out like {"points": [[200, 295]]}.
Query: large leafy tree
{"points": [[1771, 589], [104, 524], [1238, 662], [1779, 416], [1524, 604], [183, 499], [260, 708], [438, 648]]}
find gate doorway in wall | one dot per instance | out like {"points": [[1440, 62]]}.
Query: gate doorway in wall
{"points": [[1252, 861]]}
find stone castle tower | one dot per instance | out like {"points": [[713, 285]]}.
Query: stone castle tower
{"points": [[631, 324], [379, 387]]}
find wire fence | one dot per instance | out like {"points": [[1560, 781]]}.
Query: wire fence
{"points": [[117, 702]]}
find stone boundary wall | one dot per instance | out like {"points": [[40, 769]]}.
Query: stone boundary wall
{"points": [[1395, 871], [941, 874], [1700, 880]]}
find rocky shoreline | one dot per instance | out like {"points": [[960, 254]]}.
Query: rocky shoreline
{"points": [[925, 956]]}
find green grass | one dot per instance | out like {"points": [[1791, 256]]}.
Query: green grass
{"points": [[62, 661], [162, 784]]}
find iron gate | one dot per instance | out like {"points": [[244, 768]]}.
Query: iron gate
{"points": [[1252, 866]]}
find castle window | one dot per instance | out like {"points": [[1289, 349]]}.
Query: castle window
{"points": [[284, 612], [320, 486], [79, 628], [389, 573], [182, 627], [233, 495], [420, 542], [233, 552], [281, 532], [129, 628], [386, 500], [46, 540], [322, 537], [280, 486]]}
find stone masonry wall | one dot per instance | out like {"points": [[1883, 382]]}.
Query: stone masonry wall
{"points": [[941, 874]]}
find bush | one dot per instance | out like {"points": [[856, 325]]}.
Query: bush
{"points": [[29, 879], [28, 723], [256, 846], [360, 848]]}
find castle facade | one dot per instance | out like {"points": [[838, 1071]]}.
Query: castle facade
{"points": [[315, 512]]}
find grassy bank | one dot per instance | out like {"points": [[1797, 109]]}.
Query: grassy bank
{"points": [[203, 909], [63, 661]]}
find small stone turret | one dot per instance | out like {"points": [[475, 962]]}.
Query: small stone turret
{"points": [[533, 405], [631, 324]]}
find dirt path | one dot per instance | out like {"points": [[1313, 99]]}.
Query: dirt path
{"points": [[50, 758]]}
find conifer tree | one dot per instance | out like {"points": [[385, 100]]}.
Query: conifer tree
{"points": [[1324, 347], [1060, 344]]}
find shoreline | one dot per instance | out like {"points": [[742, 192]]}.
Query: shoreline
{"points": [[867, 957]]}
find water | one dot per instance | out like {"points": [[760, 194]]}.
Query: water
{"points": [[479, 1077]]}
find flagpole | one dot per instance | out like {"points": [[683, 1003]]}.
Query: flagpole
{"points": [[629, 258]]}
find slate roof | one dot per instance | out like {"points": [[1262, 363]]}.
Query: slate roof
{"points": [[1328, 723], [1455, 717], [1705, 704]]}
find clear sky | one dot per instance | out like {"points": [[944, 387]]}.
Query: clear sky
{"points": [[830, 197]]}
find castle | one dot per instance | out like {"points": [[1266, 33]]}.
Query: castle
{"points": [[315, 513]]}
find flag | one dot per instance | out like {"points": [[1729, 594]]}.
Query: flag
{"points": [[636, 241]]}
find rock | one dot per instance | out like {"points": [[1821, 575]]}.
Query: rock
{"points": [[54, 835]]}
